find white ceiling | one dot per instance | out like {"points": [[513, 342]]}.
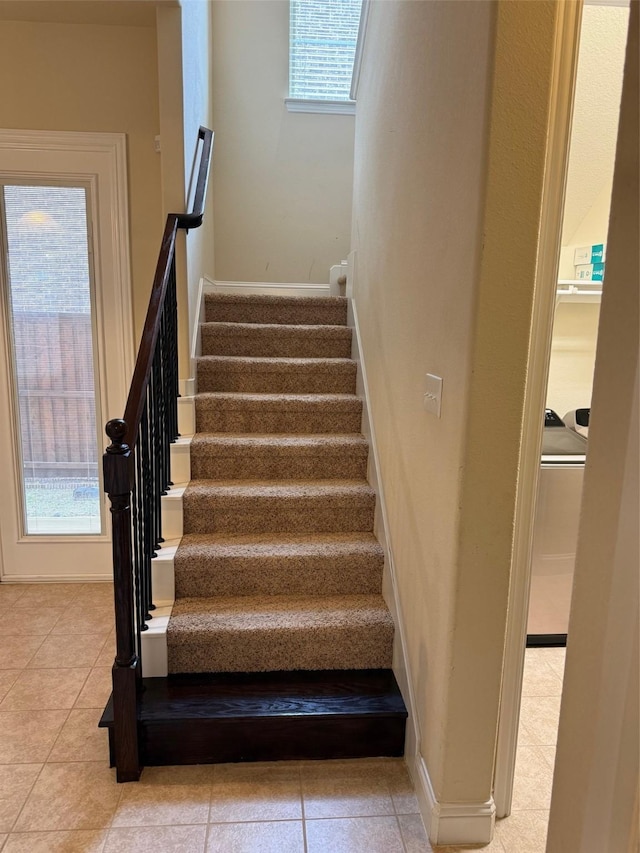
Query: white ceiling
{"points": [[596, 111]]}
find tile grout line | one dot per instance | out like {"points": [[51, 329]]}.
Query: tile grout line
{"points": [[305, 843], [206, 835], [402, 841], [121, 786], [44, 764], [57, 737], [208, 823]]}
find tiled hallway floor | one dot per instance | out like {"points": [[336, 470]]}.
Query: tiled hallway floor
{"points": [[58, 795]]}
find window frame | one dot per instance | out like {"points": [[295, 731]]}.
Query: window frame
{"points": [[325, 106]]}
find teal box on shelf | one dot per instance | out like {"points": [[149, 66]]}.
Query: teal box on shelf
{"points": [[590, 272], [595, 254]]}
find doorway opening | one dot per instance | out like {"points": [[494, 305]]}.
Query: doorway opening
{"points": [[581, 271], [530, 706]]}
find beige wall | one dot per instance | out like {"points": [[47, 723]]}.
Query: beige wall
{"points": [[595, 791], [169, 28], [197, 89], [185, 99], [86, 77], [450, 140], [573, 354], [282, 181]]}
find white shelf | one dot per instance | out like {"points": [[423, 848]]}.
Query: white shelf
{"points": [[578, 291]]}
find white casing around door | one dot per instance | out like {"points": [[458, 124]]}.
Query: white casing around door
{"points": [[98, 161]]}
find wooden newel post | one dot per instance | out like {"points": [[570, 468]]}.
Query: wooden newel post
{"points": [[125, 671]]}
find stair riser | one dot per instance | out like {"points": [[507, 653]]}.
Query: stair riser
{"points": [[221, 417], [265, 465], [355, 647], [336, 380], [270, 345], [327, 314], [278, 576], [267, 716], [288, 738], [303, 515]]}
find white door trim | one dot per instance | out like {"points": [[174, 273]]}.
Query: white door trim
{"points": [[99, 160], [560, 116]]}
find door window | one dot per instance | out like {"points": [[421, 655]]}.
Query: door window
{"points": [[48, 270]]}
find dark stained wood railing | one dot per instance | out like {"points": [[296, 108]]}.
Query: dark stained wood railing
{"points": [[137, 473]]}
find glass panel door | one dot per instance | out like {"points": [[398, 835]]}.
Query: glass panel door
{"points": [[50, 295]]}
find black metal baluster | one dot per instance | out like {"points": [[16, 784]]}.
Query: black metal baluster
{"points": [[139, 539], [148, 527], [164, 394], [155, 456], [171, 306], [160, 429], [168, 391], [153, 490]]}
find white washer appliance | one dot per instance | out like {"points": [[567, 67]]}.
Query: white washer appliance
{"points": [[578, 420], [555, 531]]}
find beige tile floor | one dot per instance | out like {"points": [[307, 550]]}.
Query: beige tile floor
{"points": [[58, 795]]}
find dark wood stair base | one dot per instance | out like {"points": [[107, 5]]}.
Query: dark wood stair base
{"points": [[268, 716]]}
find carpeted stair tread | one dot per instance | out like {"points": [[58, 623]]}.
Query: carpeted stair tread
{"points": [[278, 564], [278, 456], [276, 340], [278, 568], [266, 506], [276, 375], [278, 413], [276, 441], [287, 310], [347, 488], [270, 633]]}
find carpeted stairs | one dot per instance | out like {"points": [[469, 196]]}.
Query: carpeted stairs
{"points": [[278, 568]]}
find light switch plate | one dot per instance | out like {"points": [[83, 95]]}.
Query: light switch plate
{"points": [[433, 394]]}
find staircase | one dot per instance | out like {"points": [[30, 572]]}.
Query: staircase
{"points": [[279, 642]]}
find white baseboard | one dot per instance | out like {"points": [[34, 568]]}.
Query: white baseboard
{"points": [[154, 639], [187, 387], [155, 656], [75, 578], [180, 453], [451, 823], [163, 580], [198, 320], [265, 287], [171, 510], [186, 415], [336, 274]]}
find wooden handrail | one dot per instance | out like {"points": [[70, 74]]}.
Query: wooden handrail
{"points": [[136, 468], [142, 370], [140, 379], [194, 219]]}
